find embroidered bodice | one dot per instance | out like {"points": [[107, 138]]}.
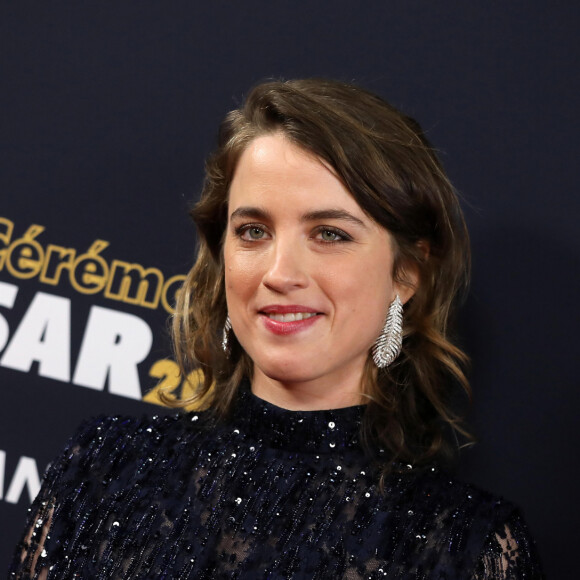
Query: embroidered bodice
{"points": [[269, 493]]}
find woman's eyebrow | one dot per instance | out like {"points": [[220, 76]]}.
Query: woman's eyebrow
{"points": [[251, 212], [315, 215], [332, 214]]}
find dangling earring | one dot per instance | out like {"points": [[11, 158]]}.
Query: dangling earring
{"points": [[388, 346], [226, 336]]}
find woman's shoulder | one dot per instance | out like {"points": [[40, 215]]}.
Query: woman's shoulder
{"points": [[104, 434], [446, 501], [143, 428], [434, 485], [486, 530], [115, 446], [97, 431]]}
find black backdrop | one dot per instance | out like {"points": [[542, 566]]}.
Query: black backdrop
{"points": [[107, 112]]}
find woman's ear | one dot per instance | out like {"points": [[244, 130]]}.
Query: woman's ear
{"points": [[408, 279], [407, 282]]}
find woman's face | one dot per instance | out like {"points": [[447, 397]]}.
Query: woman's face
{"points": [[308, 277]]}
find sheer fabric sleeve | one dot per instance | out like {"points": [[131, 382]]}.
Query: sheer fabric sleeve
{"points": [[509, 553], [50, 515]]}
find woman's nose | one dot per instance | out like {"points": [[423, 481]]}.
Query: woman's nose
{"points": [[286, 270]]}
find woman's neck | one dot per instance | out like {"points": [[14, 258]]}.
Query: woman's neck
{"points": [[315, 395]]}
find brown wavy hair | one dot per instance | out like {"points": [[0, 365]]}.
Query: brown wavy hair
{"points": [[390, 168]]}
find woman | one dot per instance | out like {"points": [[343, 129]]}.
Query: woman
{"points": [[332, 247]]}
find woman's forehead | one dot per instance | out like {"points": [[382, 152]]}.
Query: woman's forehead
{"points": [[274, 169]]}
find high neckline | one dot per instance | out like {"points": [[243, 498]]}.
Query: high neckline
{"points": [[327, 431]]}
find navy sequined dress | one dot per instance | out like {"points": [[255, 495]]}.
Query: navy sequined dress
{"points": [[269, 494]]}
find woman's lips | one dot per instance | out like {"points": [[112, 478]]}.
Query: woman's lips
{"points": [[288, 319], [291, 316]]}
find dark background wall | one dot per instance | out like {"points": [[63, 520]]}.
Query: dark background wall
{"points": [[107, 111]]}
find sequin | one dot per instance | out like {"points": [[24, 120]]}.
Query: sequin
{"points": [[265, 495]]}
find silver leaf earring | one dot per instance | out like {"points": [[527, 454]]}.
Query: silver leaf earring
{"points": [[388, 346], [226, 336]]}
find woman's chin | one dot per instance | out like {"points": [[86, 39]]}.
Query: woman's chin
{"points": [[289, 378], [285, 373]]}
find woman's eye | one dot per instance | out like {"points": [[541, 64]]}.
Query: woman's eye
{"points": [[329, 236], [253, 233]]}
